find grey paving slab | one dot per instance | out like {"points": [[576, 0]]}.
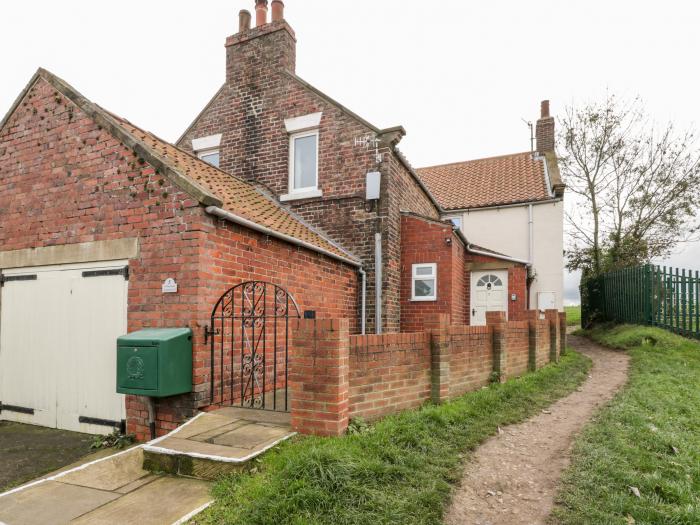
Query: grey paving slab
{"points": [[162, 502], [51, 503], [110, 474], [250, 436]]}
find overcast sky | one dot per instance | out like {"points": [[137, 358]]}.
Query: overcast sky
{"points": [[458, 75]]}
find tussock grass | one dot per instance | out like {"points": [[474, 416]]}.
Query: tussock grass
{"points": [[397, 471], [647, 438]]}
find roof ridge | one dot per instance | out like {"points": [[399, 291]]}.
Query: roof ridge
{"points": [[505, 155]]}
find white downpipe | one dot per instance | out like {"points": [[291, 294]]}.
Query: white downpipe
{"points": [[363, 307], [378, 282]]}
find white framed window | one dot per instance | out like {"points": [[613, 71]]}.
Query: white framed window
{"points": [[210, 157], [424, 282], [207, 149], [303, 157]]}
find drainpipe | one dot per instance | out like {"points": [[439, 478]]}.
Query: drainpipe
{"points": [[378, 282], [151, 407], [531, 250], [363, 307]]}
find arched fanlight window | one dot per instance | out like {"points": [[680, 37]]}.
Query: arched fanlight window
{"points": [[489, 281]]}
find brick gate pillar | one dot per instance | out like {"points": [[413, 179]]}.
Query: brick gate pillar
{"points": [[319, 376], [552, 317], [533, 316], [562, 333]]}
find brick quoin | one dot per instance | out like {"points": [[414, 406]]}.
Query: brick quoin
{"points": [[64, 180]]}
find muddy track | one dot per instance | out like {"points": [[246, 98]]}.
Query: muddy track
{"points": [[513, 477]]}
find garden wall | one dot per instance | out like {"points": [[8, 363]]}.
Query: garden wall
{"points": [[335, 376]]}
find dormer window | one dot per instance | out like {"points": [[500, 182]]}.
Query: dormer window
{"points": [[207, 149], [303, 157]]}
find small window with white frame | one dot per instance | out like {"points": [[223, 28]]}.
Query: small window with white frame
{"points": [[303, 162], [424, 282], [207, 149]]}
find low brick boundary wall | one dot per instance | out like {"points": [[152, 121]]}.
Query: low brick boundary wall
{"points": [[334, 376]]}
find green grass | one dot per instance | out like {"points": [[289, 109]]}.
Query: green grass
{"points": [[648, 438], [573, 315], [399, 471]]}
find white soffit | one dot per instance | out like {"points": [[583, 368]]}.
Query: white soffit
{"points": [[212, 141], [303, 123]]}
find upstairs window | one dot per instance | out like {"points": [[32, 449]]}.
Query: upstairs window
{"points": [[303, 161], [207, 149], [210, 157], [424, 282], [303, 157]]}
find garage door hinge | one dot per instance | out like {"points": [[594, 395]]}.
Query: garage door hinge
{"points": [[8, 278], [102, 273], [14, 408]]}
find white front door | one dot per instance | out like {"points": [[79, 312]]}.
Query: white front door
{"points": [[489, 293], [58, 331]]}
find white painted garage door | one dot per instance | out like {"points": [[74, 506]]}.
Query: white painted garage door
{"points": [[58, 330]]}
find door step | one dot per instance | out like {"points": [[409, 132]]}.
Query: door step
{"points": [[216, 443]]}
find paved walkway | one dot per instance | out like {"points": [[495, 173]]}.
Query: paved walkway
{"points": [[513, 477], [117, 489]]}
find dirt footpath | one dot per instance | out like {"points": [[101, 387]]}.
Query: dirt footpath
{"points": [[513, 477]]}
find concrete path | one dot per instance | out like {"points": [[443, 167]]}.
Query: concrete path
{"points": [[117, 489], [112, 490], [513, 477]]}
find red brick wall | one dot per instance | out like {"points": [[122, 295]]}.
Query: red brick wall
{"points": [[423, 241], [388, 373], [63, 180], [518, 349], [543, 348], [471, 358], [250, 111]]}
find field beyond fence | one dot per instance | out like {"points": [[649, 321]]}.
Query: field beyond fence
{"points": [[649, 295]]}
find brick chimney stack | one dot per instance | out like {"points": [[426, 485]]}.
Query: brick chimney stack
{"points": [[260, 13], [544, 132], [269, 46]]}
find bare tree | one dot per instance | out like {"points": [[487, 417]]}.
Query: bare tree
{"points": [[637, 188]]}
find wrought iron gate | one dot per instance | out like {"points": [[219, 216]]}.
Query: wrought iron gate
{"points": [[249, 338]]}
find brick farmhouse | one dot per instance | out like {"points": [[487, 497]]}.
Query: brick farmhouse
{"points": [[107, 229]]}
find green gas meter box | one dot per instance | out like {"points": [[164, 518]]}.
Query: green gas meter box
{"points": [[155, 362]]}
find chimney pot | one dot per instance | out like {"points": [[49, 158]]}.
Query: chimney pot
{"points": [[277, 10], [544, 109], [244, 19], [260, 13]]}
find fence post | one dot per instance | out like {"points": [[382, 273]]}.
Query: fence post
{"points": [[497, 322], [438, 328]]}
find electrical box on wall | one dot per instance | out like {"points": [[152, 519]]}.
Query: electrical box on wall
{"points": [[374, 179]]}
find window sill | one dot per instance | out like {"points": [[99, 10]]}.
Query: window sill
{"points": [[423, 299], [299, 195]]}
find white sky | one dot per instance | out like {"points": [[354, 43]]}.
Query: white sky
{"points": [[459, 75]]}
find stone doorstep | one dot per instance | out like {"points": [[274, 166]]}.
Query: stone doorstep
{"points": [[217, 443]]}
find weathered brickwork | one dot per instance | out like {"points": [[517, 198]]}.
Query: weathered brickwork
{"points": [[63, 180], [388, 373], [518, 349], [262, 91]]}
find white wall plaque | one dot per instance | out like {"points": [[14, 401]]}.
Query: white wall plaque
{"points": [[169, 285]]}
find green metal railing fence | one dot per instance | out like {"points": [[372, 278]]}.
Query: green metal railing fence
{"points": [[649, 294]]}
